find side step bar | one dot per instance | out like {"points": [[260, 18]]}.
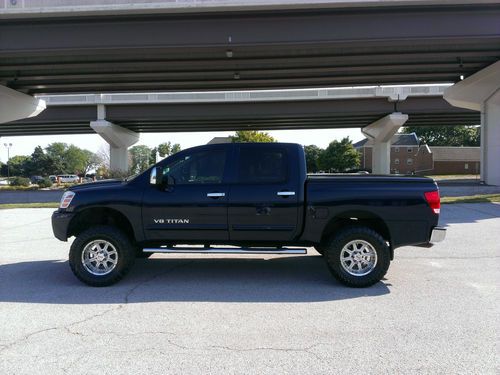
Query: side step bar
{"points": [[226, 250]]}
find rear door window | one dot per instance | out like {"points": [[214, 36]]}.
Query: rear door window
{"points": [[262, 165]]}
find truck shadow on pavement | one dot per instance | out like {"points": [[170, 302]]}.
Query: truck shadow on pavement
{"points": [[161, 279]]}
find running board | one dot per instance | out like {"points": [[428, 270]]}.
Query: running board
{"points": [[223, 250]]}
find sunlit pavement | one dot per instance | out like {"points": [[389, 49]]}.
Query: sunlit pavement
{"points": [[436, 311]]}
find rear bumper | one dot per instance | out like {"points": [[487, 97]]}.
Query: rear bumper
{"points": [[438, 234], [60, 223]]}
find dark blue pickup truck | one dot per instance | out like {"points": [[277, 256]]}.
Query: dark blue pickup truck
{"points": [[253, 198]]}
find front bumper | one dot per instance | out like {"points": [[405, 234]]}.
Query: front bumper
{"points": [[438, 234], [60, 223]]}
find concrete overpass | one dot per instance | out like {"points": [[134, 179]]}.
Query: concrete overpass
{"points": [[243, 45], [242, 110], [75, 46], [119, 118]]}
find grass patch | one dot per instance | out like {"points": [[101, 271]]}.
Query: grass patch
{"points": [[29, 205], [481, 198]]}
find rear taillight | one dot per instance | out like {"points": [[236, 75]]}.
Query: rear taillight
{"points": [[432, 198]]}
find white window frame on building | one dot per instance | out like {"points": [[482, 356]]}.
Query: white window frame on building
{"points": [[409, 161], [396, 161]]}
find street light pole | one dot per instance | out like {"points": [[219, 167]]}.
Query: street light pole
{"points": [[8, 146]]}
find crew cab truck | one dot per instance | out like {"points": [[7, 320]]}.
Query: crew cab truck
{"points": [[244, 199]]}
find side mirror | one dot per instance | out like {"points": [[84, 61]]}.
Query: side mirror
{"points": [[156, 176], [157, 179]]}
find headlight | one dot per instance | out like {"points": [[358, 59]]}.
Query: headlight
{"points": [[66, 199]]}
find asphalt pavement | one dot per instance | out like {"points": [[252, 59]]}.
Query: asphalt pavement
{"points": [[436, 312]]}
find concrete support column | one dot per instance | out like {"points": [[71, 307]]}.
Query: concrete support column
{"points": [[490, 140], [481, 92], [119, 139], [15, 105], [381, 132]]}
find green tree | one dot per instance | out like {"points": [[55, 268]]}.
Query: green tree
{"points": [[251, 136], [339, 156], [313, 153], [40, 163], [90, 161], [75, 159], [18, 164], [167, 148], [56, 152], [446, 135], [64, 158], [140, 158]]}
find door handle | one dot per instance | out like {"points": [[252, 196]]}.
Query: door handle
{"points": [[216, 195], [285, 193]]}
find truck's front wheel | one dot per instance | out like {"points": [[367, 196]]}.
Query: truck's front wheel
{"points": [[358, 256], [101, 256]]}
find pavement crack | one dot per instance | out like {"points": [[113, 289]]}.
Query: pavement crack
{"points": [[126, 299], [148, 280], [307, 350], [26, 338]]}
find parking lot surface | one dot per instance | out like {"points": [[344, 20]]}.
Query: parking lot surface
{"points": [[436, 311]]}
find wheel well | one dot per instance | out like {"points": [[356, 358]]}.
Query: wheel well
{"points": [[361, 218], [100, 216]]}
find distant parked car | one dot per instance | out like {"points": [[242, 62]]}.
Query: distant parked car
{"points": [[36, 179], [53, 178], [68, 178]]}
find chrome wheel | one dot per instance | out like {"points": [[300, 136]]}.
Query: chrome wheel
{"points": [[358, 258], [99, 257]]}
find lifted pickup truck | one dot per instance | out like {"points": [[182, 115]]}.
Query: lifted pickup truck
{"points": [[246, 199]]}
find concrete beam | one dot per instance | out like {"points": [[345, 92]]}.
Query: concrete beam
{"points": [[474, 91], [481, 92], [381, 132], [15, 105], [119, 139]]}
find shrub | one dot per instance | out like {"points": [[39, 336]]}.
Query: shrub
{"points": [[20, 181], [45, 183]]}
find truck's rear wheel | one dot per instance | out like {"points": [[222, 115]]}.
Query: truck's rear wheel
{"points": [[101, 256], [358, 256]]}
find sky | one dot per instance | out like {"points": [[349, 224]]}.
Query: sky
{"points": [[26, 144]]}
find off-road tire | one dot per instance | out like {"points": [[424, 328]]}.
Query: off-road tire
{"points": [[125, 250], [333, 253]]}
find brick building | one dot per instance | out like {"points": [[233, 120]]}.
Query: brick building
{"points": [[456, 160], [409, 157]]}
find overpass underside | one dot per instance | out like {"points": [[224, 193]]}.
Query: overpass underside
{"points": [[247, 50], [185, 117]]}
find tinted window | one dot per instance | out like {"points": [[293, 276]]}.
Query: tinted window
{"points": [[203, 167], [257, 165]]}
